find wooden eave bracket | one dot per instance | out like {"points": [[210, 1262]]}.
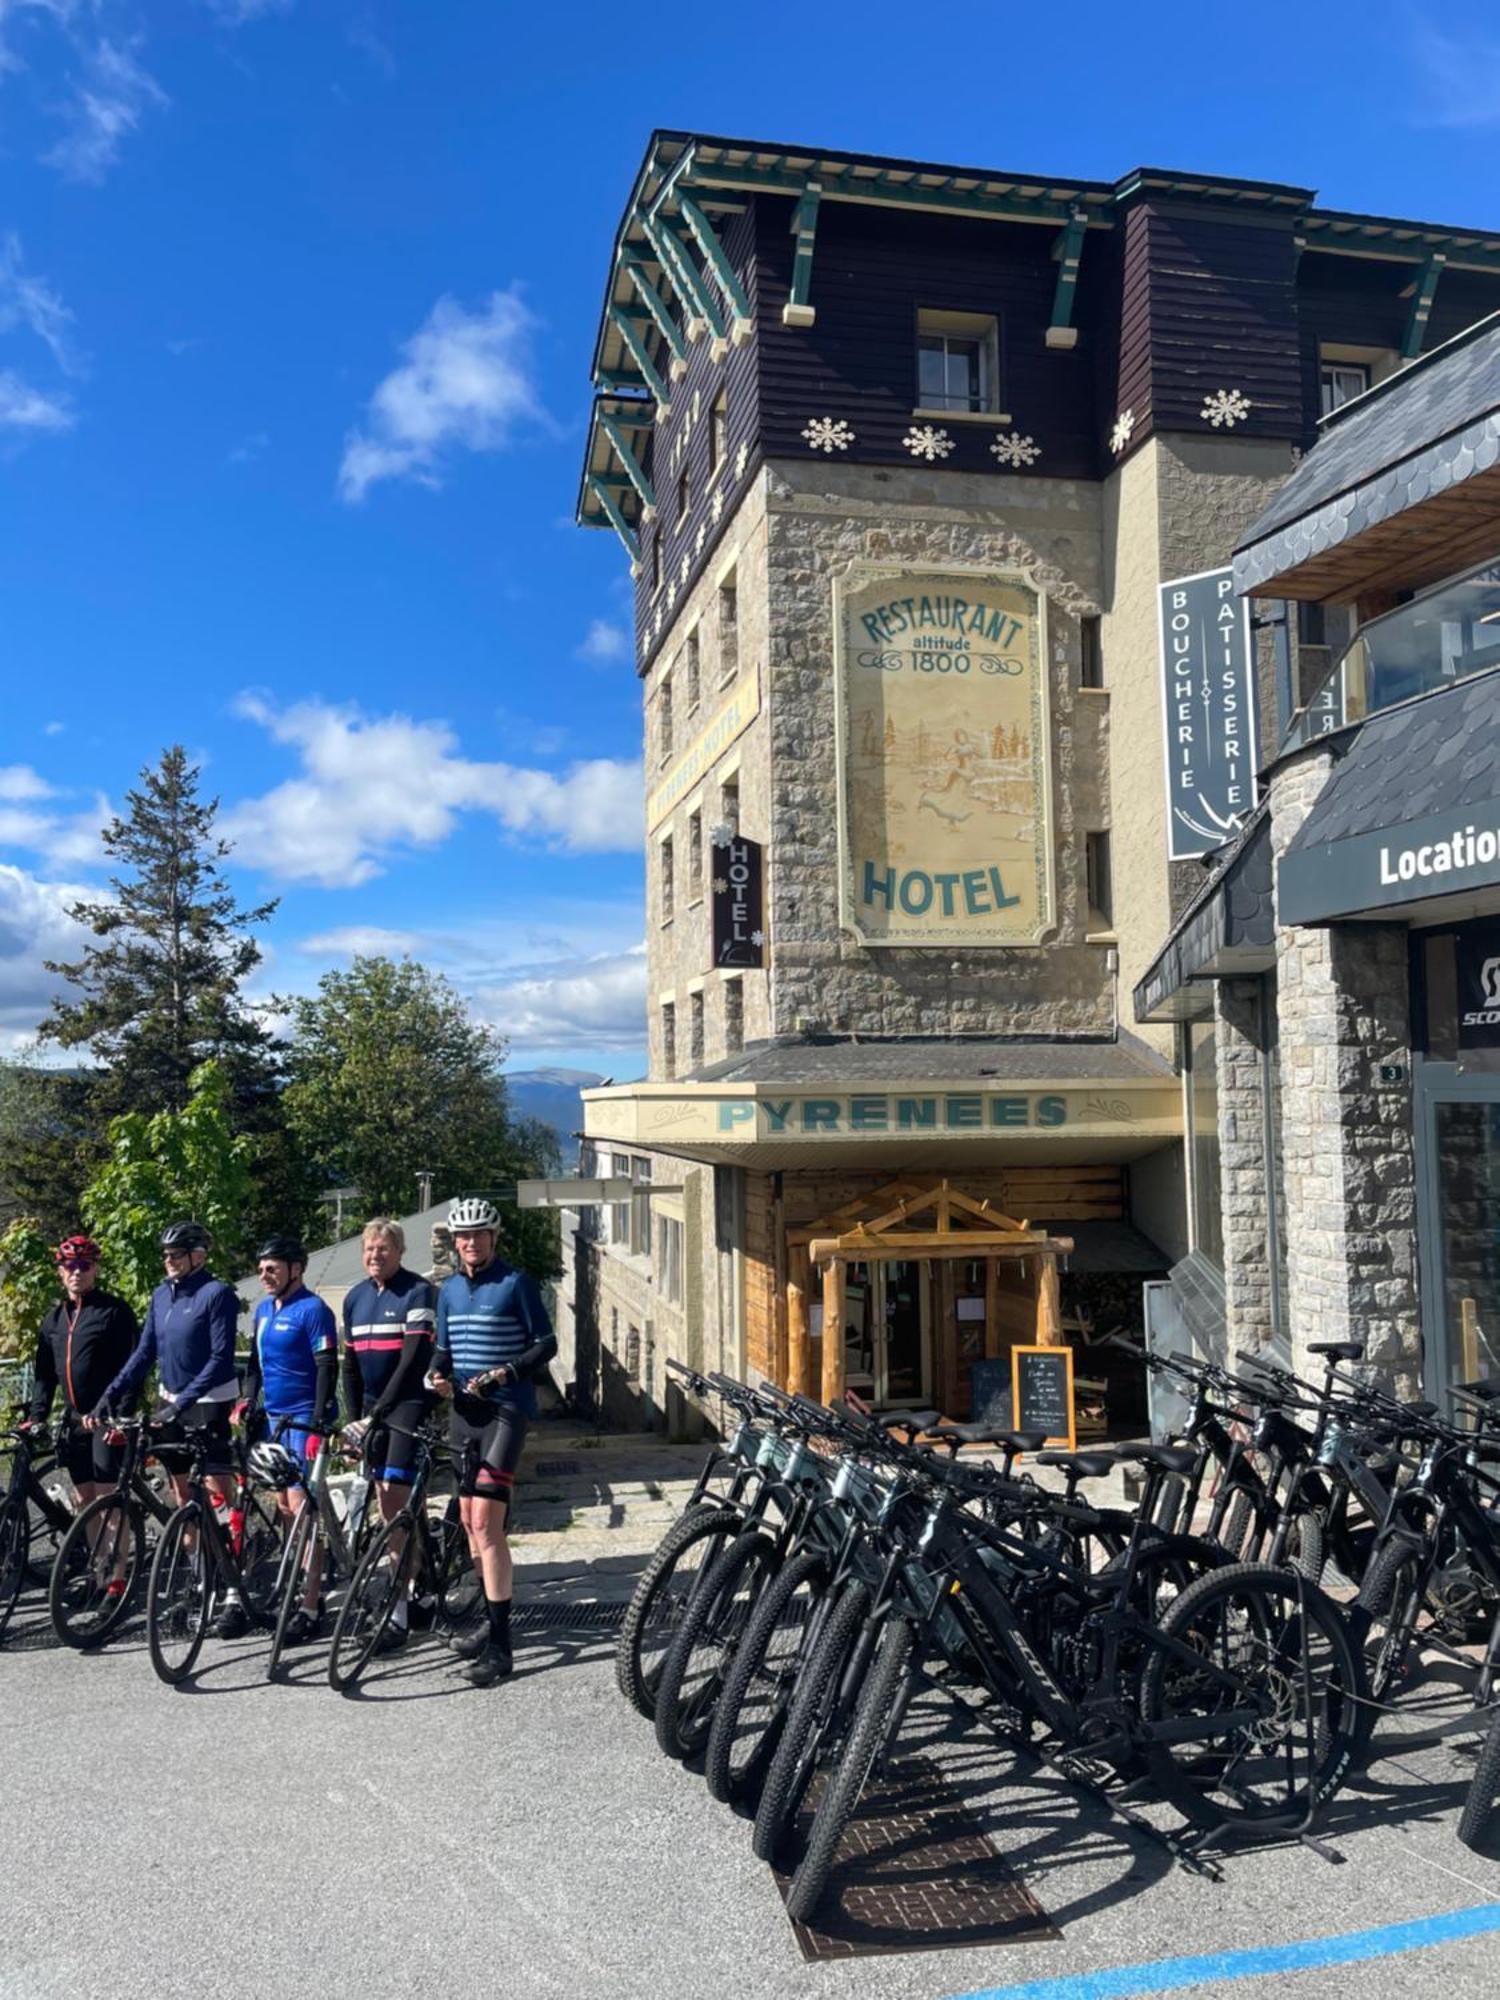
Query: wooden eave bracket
{"points": [[1068, 252]]}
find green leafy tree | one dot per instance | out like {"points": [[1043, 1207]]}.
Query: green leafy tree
{"points": [[165, 1168], [28, 1285], [160, 991], [389, 1076], [49, 1145]]}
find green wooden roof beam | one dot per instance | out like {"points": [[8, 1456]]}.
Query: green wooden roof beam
{"points": [[634, 471], [617, 521], [630, 333], [1421, 306], [849, 186], [716, 261], [1068, 251], [635, 415], [799, 310], [656, 305], [687, 281]]}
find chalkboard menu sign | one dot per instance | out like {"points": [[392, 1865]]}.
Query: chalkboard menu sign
{"points": [[1042, 1392], [989, 1394]]}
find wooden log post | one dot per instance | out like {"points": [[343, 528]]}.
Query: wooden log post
{"points": [[833, 1331], [1048, 1303], [799, 1322], [991, 1308]]}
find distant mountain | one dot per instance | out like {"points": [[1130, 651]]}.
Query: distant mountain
{"points": [[551, 1095]]}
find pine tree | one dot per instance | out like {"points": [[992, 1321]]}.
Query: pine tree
{"points": [[160, 991]]}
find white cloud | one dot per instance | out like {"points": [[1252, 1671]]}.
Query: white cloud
{"points": [[595, 1003], [24, 408], [30, 302], [363, 941], [604, 643], [466, 383], [34, 926], [19, 781], [1459, 74], [53, 728], [31, 819], [248, 449], [235, 13], [109, 100], [374, 786]]}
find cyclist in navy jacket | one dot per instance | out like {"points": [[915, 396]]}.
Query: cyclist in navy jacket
{"points": [[493, 1333], [189, 1333]]}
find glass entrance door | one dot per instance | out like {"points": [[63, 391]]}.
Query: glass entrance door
{"points": [[901, 1367], [1461, 1230]]}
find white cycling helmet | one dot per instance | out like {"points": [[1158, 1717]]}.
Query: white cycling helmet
{"points": [[472, 1211], [272, 1464]]}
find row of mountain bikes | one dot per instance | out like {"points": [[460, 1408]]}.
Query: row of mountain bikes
{"points": [[188, 1554], [1223, 1648]]}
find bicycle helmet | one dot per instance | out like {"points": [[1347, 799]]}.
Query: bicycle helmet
{"points": [[285, 1249], [472, 1211], [78, 1250], [272, 1464], [186, 1236]]}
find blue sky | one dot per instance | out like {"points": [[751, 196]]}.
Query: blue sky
{"points": [[297, 300]]}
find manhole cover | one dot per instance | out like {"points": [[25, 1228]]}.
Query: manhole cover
{"points": [[556, 1468], [915, 1871]]}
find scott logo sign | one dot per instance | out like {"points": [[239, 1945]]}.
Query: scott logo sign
{"points": [[1489, 982]]}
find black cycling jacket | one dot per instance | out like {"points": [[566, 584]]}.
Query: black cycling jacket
{"points": [[82, 1355]]}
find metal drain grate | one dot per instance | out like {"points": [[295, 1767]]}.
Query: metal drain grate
{"points": [[567, 1617], [915, 1871], [556, 1468]]}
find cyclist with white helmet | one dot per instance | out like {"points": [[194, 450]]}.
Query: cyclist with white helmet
{"points": [[493, 1333]]}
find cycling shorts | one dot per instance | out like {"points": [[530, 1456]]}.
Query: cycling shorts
{"points": [[210, 1421], [88, 1456], [486, 1441], [290, 1429], [393, 1444]]}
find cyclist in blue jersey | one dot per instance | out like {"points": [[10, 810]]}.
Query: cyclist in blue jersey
{"points": [[390, 1320], [293, 1365], [493, 1333]]}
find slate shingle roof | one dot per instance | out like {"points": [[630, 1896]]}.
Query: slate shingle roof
{"points": [[846, 1063]]}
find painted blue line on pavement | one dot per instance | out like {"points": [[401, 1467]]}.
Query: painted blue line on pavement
{"points": [[1164, 1975]]}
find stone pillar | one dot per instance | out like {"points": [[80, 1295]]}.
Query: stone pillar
{"points": [[1347, 1137], [1244, 1173]]}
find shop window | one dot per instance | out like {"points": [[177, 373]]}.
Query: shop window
{"points": [[669, 1259], [1339, 382], [1202, 1112], [695, 858], [664, 718], [619, 1211], [668, 881], [668, 1038], [734, 1016], [729, 627], [1101, 892], [695, 1030], [718, 431], [957, 362], [1091, 657], [690, 665]]}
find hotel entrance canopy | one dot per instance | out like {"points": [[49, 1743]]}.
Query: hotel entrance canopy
{"points": [[818, 1102]]}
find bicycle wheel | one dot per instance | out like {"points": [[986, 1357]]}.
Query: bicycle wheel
{"points": [[97, 1568], [877, 1718], [692, 1673], [262, 1542], [660, 1596], [179, 1594], [1306, 1545], [15, 1557], [293, 1575], [1237, 1524], [760, 1683], [378, 1584], [1251, 1699], [1474, 1825], [456, 1584], [1385, 1619], [815, 1718]]}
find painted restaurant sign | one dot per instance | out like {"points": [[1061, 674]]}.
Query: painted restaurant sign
{"points": [[943, 745]]}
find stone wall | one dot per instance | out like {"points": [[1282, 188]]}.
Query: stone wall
{"points": [[1347, 1137], [1239, 1036]]}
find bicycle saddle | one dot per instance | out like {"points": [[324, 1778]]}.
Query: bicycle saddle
{"points": [[1086, 1464], [1338, 1350], [1486, 1390], [1166, 1457], [908, 1420], [987, 1434]]}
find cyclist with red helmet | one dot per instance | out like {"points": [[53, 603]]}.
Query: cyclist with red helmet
{"points": [[84, 1342]]}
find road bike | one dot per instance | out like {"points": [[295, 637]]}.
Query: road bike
{"points": [[30, 1513]]}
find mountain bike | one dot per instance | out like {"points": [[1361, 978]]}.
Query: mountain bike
{"points": [[401, 1556], [28, 1512]]}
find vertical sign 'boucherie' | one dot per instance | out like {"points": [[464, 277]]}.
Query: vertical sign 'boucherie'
{"points": [[1208, 711], [738, 902]]}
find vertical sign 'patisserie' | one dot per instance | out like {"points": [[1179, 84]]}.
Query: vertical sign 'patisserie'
{"points": [[1208, 711], [943, 740]]}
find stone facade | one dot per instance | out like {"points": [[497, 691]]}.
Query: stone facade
{"points": [[1240, 1057]]}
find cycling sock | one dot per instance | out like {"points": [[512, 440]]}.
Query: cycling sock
{"points": [[499, 1610]]}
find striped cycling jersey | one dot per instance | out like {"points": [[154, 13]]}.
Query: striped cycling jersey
{"points": [[494, 1318], [378, 1322]]}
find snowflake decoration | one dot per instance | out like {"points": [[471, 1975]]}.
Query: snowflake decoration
{"points": [[721, 835], [828, 434], [757, 938], [928, 441], [742, 458], [721, 886], [1119, 437], [716, 505], [1225, 406], [701, 537], [671, 595], [684, 566], [1011, 450]]}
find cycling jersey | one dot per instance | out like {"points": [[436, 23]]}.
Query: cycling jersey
{"points": [[496, 1318], [291, 1335], [80, 1350], [388, 1341], [189, 1330]]}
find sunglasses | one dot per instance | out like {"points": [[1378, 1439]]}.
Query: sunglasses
{"points": [[77, 1263]]}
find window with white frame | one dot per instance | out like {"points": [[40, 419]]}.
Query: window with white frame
{"points": [[669, 1258], [667, 878], [734, 1016], [729, 626], [1339, 382], [690, 663], [695, 1030], [958, 362], [695, 858], [664, 718], [669, 1038]]}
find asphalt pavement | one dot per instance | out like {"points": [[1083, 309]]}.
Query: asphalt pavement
{"points": [[530, 1841]]}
